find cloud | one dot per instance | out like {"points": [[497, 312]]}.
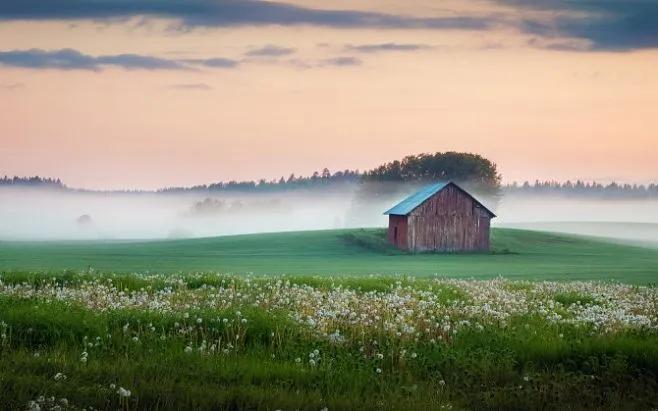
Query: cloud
{"points": [[606, 25], [213, 13], [270, 50], [70, 59], [218, 62], [12, 86], [191, 86], [376, 48], [612, 25], [135, 61], [344, 61]]}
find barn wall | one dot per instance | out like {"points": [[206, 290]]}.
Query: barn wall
{"points": [[449, 221], [400, 222]]}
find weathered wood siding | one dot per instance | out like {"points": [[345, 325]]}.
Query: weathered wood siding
{"points": [[397, 231], [449, 221]]}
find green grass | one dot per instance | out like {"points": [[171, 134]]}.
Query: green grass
{"points": [[517, 254], [530, 363]]}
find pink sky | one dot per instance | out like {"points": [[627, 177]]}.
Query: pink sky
{"points": [[537, 112]]}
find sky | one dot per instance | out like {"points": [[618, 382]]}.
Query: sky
{"points": [[145, 94]]}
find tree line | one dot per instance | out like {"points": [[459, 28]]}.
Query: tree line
{"points": [[583, 189], [34, 181], [473, 171], [319, 179]]}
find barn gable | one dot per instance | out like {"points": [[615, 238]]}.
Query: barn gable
{"points": [[409, 204]]}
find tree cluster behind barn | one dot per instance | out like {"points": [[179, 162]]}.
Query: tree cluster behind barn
{"points": [[440, 217]]}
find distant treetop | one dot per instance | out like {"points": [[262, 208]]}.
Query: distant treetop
{"points": [[449, 166], [35, 181]]}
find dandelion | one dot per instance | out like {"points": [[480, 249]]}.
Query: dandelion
{"points": [[526, 378], [298, 360], [199, 320], [414, 355], [60, 377], [188, 349], [378, 370], [123, 393]]}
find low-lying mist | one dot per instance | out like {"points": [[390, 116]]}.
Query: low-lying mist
{"points": [[43, 214]]}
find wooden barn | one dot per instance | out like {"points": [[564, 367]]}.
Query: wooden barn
{"points": [[440, 217]]}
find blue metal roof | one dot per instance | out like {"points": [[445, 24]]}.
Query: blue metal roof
{"points": [[410, 203]]}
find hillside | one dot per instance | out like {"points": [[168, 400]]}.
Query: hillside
{"points": [[516, 254]]}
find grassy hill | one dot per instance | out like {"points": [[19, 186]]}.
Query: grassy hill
{"points": [[517, 254]]}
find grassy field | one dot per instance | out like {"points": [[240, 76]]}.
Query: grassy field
{"points": [[216, 342], [311, 331], [516, 254]]}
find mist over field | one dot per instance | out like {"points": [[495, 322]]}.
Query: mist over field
{"points": [[43, 214]]}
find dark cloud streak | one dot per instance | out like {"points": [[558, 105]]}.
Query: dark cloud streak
{"points": [[70, 59], [218, 62], [383, 47], [213, 13], [608, 25], [270, 50], [344, 61]]}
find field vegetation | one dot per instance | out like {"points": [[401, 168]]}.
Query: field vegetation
{"points": [[334, 320], [516, 254], [208, 341]]}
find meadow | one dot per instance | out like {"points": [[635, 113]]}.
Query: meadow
{"points": [[516, 254], [211, 341], [328, 320]]}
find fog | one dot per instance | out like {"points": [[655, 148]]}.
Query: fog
{"points": [[632, 220], [42, 214]]}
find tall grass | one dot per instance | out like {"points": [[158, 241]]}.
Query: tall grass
{"points": [[251, 357]]}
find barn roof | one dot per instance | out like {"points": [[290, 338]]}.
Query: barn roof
{"points": [[410, 203]]}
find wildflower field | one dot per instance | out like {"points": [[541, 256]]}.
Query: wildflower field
{"points": [[72, 340]]}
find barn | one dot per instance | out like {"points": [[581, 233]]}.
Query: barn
{"points": [[440, 217]]}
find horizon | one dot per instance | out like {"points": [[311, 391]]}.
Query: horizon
{"points": [[141, 97], [503, 184]]}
